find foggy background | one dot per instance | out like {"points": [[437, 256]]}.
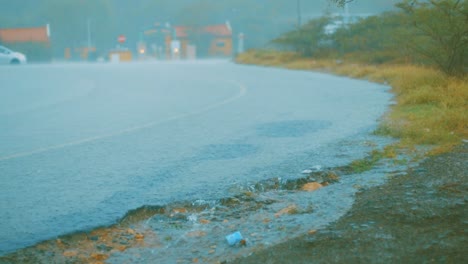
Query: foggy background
{"points": [[259, 20]]}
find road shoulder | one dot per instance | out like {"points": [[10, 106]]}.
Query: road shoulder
{"points": [[420, 217]]}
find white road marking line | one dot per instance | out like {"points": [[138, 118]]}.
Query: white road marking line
{"points": [[242, 92]]}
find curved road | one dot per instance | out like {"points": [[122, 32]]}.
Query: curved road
{"points": [[80, 144]]}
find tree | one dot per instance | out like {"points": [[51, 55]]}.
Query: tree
{"points": [[374, 39], [341, 2], [306, 40], [438, 32]]}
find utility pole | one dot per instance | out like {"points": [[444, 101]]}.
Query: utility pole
{"points": [[346, 16], [299, 19], [89, 32]]}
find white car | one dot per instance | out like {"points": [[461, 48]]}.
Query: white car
{"points": [[8, 56]]}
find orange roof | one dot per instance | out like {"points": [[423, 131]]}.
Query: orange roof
{"points": [[219, 30], [216, 30], [14, 35], [181, 32]]}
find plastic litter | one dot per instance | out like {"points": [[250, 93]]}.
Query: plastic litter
{"points": [[234, 238]]}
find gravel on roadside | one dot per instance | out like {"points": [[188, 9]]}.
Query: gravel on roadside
{"points": [[420, 217]]}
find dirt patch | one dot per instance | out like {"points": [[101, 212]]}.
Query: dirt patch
{"points": [[420, 217]]}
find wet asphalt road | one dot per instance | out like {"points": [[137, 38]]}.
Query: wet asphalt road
{"points": [[81, 144]]}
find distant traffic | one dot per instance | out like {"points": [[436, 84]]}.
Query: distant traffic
{"points": [[8, 56]]}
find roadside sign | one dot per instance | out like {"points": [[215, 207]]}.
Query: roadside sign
{"points": [[121, 39]]}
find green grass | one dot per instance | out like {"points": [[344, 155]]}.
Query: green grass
{"points": [[369, 162], [431, 109]]}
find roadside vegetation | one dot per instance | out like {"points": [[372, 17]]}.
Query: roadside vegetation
{"points": [[421, 51]]}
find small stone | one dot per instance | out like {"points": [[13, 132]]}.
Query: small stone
{"points": [[70, 253], [179, 211], [204, 221], [195, 260], [139, 236], [99, 256], [243, 242], [122, 248], [311, 186], [249, 194], [211, 251], [312, 232], [131, 231], [291, 209]]}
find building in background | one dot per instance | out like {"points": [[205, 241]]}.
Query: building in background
{"points": [[34, 41], [183, 42], [212, 41]]}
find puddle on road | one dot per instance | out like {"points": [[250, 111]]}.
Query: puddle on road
{"points": [[226, 151], [265, 213], [292, 128]]}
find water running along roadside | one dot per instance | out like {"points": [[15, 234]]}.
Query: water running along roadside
{"points": [[266, 213], [419, 217]]}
